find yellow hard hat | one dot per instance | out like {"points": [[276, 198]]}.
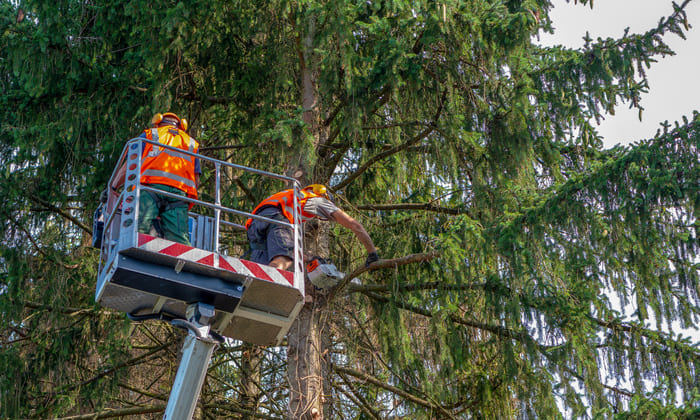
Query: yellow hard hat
{"points": [[318, 189], [158, 118]]}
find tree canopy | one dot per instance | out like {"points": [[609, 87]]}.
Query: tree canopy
{"points": [[527, 272]]}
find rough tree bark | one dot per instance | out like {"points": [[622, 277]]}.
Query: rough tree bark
{"points": [[304, 354], [251, 359], [305, 338]]}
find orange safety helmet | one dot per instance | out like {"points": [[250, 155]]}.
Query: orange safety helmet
{"points": [[158, 118]]}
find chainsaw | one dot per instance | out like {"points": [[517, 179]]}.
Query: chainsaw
{"points": [[322, 273]]}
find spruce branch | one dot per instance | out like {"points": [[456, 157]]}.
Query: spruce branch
{"points": [[433, 285], [539, 303], [365, 377], [117, 412], [61, 212], [503, 332], [380, 99], [389, 368], [497, 330], [665, 24], [224, 405], [396, 149], [576, 375], [658, 337], [143, 392], [411, 206], [331, 115], [40, 250], [63, 310], [575, 185], [108, 371], [357, 397]]}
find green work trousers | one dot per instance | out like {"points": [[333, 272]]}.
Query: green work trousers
{"points": [[172, 213]]}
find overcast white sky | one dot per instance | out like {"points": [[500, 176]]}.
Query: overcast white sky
{"points": [[674, 82]]}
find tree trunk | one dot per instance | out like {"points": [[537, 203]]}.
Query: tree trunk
{"points": [[251, 359], [305, 362], [305, 353]]}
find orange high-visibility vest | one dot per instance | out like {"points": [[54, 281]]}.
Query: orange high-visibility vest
{"points": [[284, 200], [168, 167]]}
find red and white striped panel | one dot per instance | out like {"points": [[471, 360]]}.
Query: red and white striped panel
{"points": [[175, 249], [212, 259]]}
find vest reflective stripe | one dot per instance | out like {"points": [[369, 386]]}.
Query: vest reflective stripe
{"points": [[155, 172], [284, 201], [155, 137], [169, 167], [168, 152]]}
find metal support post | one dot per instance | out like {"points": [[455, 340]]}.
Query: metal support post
{"points": [[196, 353], [217, 212]]}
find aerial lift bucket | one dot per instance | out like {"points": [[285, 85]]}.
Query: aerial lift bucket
{"points": [[211, 294]]}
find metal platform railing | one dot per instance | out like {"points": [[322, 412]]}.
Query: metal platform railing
{"points": [[144, 275], [122, 210]]}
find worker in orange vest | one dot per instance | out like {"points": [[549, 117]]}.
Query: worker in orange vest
{"points": [[274, 244], [169, 171]]}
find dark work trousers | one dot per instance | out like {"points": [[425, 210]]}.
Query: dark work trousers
{"points": [[268, 240], [172, 212]]}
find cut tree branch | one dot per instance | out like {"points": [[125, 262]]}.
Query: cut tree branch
{"points": [[391, 263]]}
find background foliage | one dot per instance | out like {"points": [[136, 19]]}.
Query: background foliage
{"points": [[548, 277]]}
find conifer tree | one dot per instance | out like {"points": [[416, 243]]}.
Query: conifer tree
{"points": [[527, 271]]}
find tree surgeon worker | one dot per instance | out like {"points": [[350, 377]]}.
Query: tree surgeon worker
{"points": [[169, 171], [274, 244]]}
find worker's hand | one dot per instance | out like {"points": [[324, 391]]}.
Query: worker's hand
{"points": [[371, 257]]}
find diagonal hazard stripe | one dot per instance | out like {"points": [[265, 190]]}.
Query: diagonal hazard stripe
{"points": [[275, 274], [225, 264], [208, 260], [144, 239], [288, 275], [235, 265], [188, 253], [195, 254], [256, 270], [175, 250]]}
